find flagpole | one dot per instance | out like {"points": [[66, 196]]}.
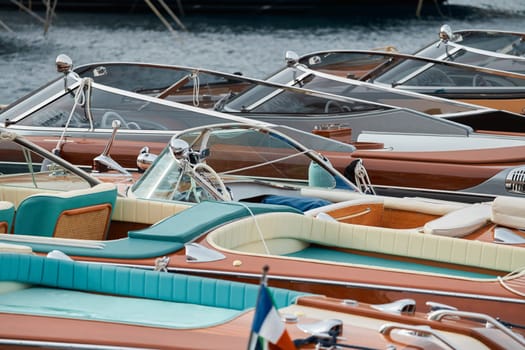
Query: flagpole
{"points": [[263, 282], [264, 277]]}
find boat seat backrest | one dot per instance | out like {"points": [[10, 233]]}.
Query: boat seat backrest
{"points": [[283, 231], [79, 214], [16, 195], [145, 211], [7, 214], [461, 222], [139, 283], [126, 209]]}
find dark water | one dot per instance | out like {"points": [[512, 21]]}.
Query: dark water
{"points": [[254, 45]]}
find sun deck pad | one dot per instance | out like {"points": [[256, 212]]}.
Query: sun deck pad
{"points": [[81, 305], [137, 283], [192, 222]]}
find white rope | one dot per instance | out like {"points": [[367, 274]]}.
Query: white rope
{"points": [[161, 264], [517, 274], [265, 163], [29, 162], [80, 100], [257, 227], [361, 178], [196, 87]]}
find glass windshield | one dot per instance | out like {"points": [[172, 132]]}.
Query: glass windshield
{"points": [[175, 83], [352, 65], [107, 105], [383, 96], [502, 43], [13, 111], [420, 73], [236, 154], [270, 100], [23, 166]]}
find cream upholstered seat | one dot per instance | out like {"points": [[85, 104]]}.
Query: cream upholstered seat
{"points": [[80, 214], [460, 222], [508, 211], [286, 233]]}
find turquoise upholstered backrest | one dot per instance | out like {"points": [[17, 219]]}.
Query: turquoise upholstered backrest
{"points": [[37, 214], [124, 281]]}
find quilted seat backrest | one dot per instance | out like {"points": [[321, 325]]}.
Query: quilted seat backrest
{"points": [[80, 214], [139, 283]]}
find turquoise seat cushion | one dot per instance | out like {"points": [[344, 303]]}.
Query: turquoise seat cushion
{"points": [[138, 311], [328, 254], [133, 282], [190, 223]]}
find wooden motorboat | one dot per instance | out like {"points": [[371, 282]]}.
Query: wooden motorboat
{"points": [[377, 261], [484, 67], [149, 117], [56, 303], [350, 261]]}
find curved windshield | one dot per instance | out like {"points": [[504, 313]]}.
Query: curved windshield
{"points": [[352, 65], [235, 154], [106, 104], [28, 102], [271, 100], [419, 73], [501, 42], [497, 42], [175, 83]]}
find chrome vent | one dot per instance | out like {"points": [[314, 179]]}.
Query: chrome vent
{"points": [[515, 181]]}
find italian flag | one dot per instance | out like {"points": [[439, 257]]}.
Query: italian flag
{"points": [[267, 325]]}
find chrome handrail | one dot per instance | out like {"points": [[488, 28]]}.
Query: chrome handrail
{"points": [[386, 329], [440, 314]]}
